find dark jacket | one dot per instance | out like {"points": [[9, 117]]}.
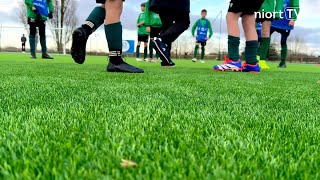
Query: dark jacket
{"points": [[23, 39], [159, 6]]}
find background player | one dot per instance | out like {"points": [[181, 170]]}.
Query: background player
{"points": [[284, 27], [269, 6], [37, 16], [153, 23], [202, 25], [23, 43], [143, 35]]}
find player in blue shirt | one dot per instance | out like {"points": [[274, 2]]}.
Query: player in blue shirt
{"points": [[202, 25], [284, 26]]}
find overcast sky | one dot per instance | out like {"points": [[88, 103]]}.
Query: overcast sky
{"points": [[307, 26]]}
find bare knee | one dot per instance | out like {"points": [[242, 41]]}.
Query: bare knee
{"points": [[266, 29]]}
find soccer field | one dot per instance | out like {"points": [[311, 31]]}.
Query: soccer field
{"points": [[63, 120]]}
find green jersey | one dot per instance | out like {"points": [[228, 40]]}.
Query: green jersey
{"points": [[151, 19], [142, 30], [31, 14], [203, 22], [272, 6]]}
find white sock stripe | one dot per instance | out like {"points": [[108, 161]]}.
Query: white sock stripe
{"points": [[90, 24], [115, 53]]}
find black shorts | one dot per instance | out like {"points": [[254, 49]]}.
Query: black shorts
{"points": [[202, 43], [246, 7], [34, 23], [143, 38], [102, 1], [155, 32]]}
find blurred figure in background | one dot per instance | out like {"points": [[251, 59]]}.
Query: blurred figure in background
{"points": [[23, 43]]}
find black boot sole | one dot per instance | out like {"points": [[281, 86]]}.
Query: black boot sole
{"points": [[77, 52], [114, 68]]}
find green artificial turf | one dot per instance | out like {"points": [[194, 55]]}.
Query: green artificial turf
{"points": [[61, 120]]}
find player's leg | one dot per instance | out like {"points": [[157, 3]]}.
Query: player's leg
{"points": [[151, 43], [195, 53], [265, 17], [181, 23], [265, 43], [32, 37], [145, 50], [252, 44], [284, 48], [94, 20], [249, 27], [113, 32], [203, 51], [162, 48], [233, 61], [43, 42], [170, 34], [138, 49], [158, 30], [233, 36], [153, 35], [81, 34]]}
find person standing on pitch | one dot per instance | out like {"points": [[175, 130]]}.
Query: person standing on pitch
{"points": [[265, 16], [240, 9], [153, 23], [202, 25], [37, 12], [175, 20], [143, 35], [284, 26], [23, 43], [112, 9]]}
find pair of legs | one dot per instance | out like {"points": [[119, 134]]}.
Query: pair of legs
{"points": [[23, 47], [236, 10], [265, 41], [155, 32], [195, 55], [173, 25], [142, 39], [284, 48], [109, 13], [248, 24], [41, 24]]}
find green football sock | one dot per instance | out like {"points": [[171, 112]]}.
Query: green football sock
{"points": [[151, 45], [203, 51], [263, 50], [32, 42], [137, 51], [114, 37], [43, 45], [233, 48], [284, 51], [250, 54], [95, 19], [145, 53], [196, 48]]}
